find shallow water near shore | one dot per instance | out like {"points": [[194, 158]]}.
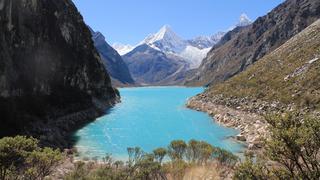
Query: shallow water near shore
{"points": [[151, 117]]}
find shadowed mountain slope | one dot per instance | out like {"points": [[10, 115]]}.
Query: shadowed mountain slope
{"points": [[52, 79], [243, 46]]}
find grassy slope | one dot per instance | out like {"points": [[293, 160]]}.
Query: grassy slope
{"points": [[269, 78]]}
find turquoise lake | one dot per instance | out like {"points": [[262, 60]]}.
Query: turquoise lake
{"points": [[151, 117]]}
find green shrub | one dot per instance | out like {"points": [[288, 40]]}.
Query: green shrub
{"points": [[177, 149], [141, 165], [21, 158], [135, 155], [176, 168], [199, 151], [147, 168], [159, 154], [248, 170], [293, 148], [41, 163], [80, 172], [224, 157]]}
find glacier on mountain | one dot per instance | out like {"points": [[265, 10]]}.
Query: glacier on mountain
{"points": [[166, 41], [194, 56], [122, 48], [192, 51], [203, 42]]}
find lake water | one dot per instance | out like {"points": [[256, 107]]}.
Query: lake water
{"points": [[151, 117]]}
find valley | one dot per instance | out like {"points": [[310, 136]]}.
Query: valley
{"points": [[82, 97]]}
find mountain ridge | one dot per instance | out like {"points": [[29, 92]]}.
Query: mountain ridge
{"points": [[152, 67], [169, 43], [285, 80], [116, 67], [283, 76], [242, 46]]}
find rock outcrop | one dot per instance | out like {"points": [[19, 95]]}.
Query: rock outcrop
{"points": [[243, 46], [117, 68], [52, 79]]}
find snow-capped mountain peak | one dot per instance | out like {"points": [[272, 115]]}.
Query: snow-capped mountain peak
{"points": [[168, 42], [165, 33], [244, 20], [203, 42], [217, 36], [122, 49], [165, 40]]}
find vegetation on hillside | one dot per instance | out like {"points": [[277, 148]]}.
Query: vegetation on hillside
{"points": [[243, 47], [290, 74], [292, 152]]}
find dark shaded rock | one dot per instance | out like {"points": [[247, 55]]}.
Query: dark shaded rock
{"points": [[49, 70], [241, 137], [114, 63]]}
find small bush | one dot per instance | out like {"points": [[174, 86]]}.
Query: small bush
{"points": [[22, 158], [293, 148], [177, 149], [159, 154], [141, 165], [224, 157]]}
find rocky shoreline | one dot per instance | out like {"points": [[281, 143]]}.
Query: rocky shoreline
{"points": [[57, 132], [252, 126]]}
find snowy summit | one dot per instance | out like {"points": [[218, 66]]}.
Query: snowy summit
{"points": [[122, 49], [166, 40], [244, 20], [192, 51]]}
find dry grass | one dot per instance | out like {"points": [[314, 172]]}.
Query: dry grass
{"points": [[286, 75]]}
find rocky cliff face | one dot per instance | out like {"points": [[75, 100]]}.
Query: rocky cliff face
{"points": [[243, 46], [152, 67], [49, 70], [117, 68]]}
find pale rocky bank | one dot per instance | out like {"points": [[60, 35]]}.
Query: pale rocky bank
{"points": [[252, 125]]}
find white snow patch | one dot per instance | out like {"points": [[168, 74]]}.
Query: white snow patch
{"points": [[244, 20], [165, 40], [203, 42], [123, 49], [194, 56]]}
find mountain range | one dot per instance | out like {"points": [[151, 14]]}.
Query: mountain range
{"points": [[116, 67], [177, 55], [57, 74], [287, 77], [243, 46]]}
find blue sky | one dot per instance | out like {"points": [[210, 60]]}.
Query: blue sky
{"points": [[130, 21]]}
